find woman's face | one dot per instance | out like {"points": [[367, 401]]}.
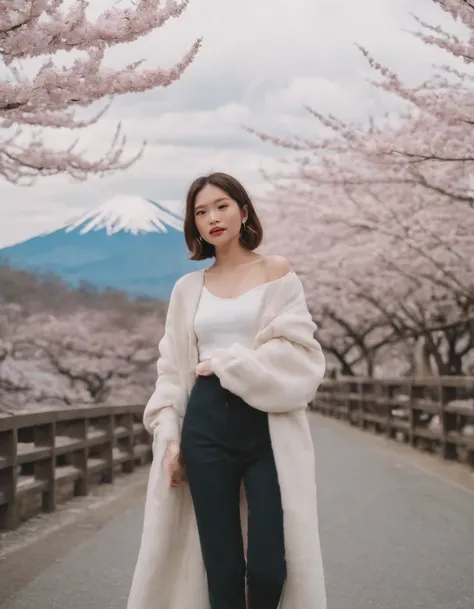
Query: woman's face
{"points": [[218, 217]]}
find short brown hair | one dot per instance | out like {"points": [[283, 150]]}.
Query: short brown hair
{"points": [[250, 238]]}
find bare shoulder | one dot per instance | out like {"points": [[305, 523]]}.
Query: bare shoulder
{"points": [[276, 267]]}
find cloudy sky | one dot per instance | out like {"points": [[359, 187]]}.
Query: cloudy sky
{"points": [[260, 63]]}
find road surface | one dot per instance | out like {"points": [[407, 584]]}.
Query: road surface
{"points": [[397, 532]]}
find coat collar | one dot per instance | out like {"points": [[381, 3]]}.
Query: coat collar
{"points": [[191, 296]]}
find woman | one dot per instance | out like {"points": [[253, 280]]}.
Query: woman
{"points": [[231, 506]]}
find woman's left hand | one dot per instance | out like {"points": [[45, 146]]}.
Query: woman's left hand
{"points": [[204, 368]]}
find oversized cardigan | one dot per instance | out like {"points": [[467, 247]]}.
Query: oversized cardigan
{"points": [[279, 375]]}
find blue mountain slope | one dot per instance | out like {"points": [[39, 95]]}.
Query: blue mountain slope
{"points": [[128, 243]]}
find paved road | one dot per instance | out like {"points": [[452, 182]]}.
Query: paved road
{"points": [[393, 536]]}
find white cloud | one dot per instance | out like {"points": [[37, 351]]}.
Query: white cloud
{"points": [[260, 63]]}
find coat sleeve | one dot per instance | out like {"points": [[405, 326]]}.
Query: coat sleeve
{"points": [[161, 415], [284, 372]]}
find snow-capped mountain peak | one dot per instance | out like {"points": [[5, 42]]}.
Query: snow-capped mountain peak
{"points": [[128, 243], [127, 213]]}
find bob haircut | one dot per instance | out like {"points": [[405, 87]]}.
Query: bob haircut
{"points": [[252, 234]]}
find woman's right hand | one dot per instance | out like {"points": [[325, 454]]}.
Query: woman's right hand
{"points": [[173, 465]]}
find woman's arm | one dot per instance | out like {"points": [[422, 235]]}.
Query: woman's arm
{"points": [[160, 413], [280, 376]]}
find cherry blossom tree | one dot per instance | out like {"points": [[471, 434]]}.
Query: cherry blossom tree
{"points": [[380, 253], [388, 217], [49, 97], [77, 359]]}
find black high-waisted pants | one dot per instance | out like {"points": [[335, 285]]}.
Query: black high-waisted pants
{"points": [[225, 441]]}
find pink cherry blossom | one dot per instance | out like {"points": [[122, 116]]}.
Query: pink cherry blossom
{"points": [[379, 219], [77, 358], [48, 98]]}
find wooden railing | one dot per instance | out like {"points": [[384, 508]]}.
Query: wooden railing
{"points": [[435, 414], [46, 457]]}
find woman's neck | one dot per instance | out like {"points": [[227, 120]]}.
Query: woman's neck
{"points": [[233, 257]]}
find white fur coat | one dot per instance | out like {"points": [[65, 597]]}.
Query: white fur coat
{"points": [[279, 375]]}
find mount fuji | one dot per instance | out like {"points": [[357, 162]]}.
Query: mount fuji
{"points": [[128, 243]]}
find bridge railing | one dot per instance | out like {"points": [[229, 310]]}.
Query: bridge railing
{"points": [[47, 457], [431, 414]]}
